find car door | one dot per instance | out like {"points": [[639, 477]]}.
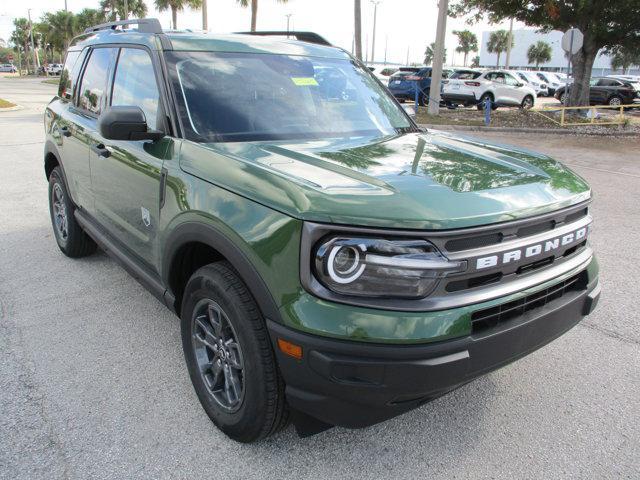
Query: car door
{"points": [[600, 92], [498, 87], [126, 174], [513, 89], [69, 132]]}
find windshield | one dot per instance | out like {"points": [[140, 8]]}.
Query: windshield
{"points": [[226, 97]]}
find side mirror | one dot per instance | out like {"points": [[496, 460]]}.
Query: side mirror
{"points": [[125, 123], [409, 110], [519, 84]]}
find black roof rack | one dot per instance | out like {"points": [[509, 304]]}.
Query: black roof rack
{"points": [[309, 37], [145, 25]]}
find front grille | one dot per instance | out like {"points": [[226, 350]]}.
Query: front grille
{"points": [[491, 317], [508, 233]]}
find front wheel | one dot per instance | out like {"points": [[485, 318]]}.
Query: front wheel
{"points": [[615, 101], [229, 355], [423, 99], [527, 103]]}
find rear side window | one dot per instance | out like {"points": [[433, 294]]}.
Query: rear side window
{"points": [[94, 80], [135, 84], [69, 75], [465, 75]]}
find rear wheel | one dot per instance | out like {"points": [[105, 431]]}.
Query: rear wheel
{"points": [[563, 98], [483, 99], [229, 356], [70, 237], [423, 99]]}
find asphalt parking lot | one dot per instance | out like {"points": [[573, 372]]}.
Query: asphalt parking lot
{"points": [[93, 382]]}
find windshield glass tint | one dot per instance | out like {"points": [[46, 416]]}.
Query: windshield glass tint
{"points": [[244, 97]]}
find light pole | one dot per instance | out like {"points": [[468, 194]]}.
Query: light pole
{"points": [[126, 9], [373, 42], [288, 15], [436, 72], [36, 63]]}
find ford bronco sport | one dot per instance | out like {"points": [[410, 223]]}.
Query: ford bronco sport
{"points": [[331, 262]]}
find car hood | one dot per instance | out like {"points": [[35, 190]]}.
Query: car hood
{"points": [[429, 180]]}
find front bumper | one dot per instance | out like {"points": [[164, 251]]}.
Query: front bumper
{"points": [[356, 384]]}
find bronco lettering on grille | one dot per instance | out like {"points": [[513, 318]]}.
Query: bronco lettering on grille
{"points": [[531, 251]]}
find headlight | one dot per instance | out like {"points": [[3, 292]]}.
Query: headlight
{"points": [[376, 267]]}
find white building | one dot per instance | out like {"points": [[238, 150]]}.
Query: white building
{"points": [[522, 39]]}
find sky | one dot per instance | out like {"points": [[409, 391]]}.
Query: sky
{"points": [[401, 24]]}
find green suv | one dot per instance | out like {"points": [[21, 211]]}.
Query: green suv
{"points": [[331, 262]]}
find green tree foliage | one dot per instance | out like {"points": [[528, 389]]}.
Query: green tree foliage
{"points": [[467, 43], [114, 9], [175, 6], [623, 58], [20, 39], [605, 24], [89, 17], [429, 53], [498, 43], [475, 62], [539, 52], [254, 10]]}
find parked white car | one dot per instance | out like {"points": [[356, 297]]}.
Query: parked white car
{"points": [[553, 82], [53, 69], [383, 72], [532, 79], [472, 87], [8, 68], [626, 78]]}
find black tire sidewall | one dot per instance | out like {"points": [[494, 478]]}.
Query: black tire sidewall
{"points": [[56, 179], [244, 424]]}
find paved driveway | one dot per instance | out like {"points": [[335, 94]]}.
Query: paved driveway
{"points": [[93, 383]]}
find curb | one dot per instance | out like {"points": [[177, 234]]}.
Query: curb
{"points": [[11, 109], [550, 131]]}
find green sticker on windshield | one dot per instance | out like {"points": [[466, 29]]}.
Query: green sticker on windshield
{"points": [[304, 81]]}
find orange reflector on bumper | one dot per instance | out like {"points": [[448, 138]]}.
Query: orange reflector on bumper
{"points": [[290, 349]]}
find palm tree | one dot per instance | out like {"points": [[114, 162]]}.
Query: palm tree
{"points": [[175, 6], [623, 58], [467, 43], [498, 42], [20, 37], [63, 26], [357, 17], [539, 52], [429, 53], [114, 9], [205, 22], [254, 10], [89, 17]]}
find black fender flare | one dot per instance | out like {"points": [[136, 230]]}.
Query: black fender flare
{"points": [[51, 148], [200, 232]]}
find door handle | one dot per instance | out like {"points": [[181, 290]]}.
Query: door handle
{"points": [[64, 131], [100, 150]]}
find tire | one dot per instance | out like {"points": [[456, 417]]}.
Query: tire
{"points": [[70, 237], [563, 98], [423, 99], [234, 371], [615, 101], [527, 103], [483, 98]]}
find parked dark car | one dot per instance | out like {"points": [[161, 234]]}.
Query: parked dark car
{"points": [[402, 84], [607, 91]]}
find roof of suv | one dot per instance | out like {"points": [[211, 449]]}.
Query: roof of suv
{"points": [[201, 41]]}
